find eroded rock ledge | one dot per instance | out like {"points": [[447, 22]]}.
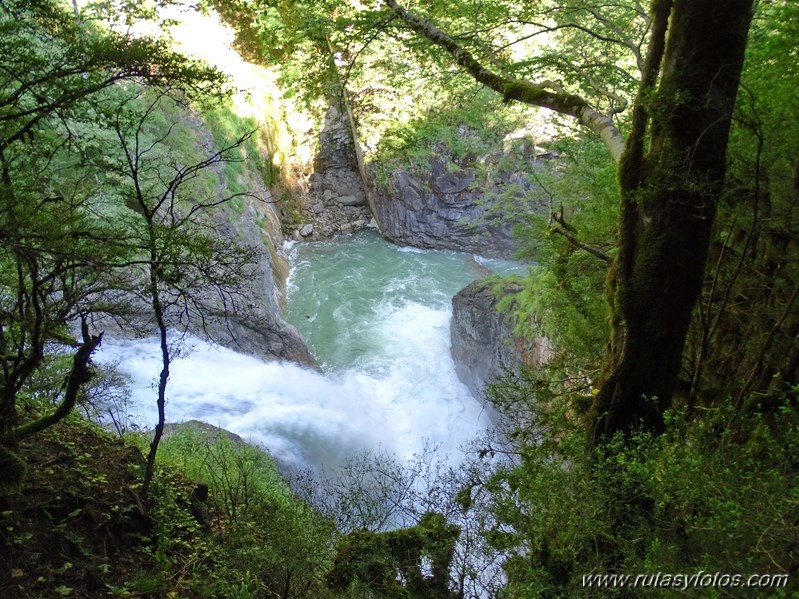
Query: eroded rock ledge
{"points": [[483, 343], [466, 204]]}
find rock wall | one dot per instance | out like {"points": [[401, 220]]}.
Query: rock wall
{"points": [[461, 205], [252, 323], [257, 327], [336, 201], [483, 345]]}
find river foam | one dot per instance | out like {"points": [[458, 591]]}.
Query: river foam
{"points": [[377, 318], [304, 418]]}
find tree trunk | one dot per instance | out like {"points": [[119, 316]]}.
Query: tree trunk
{"points": [[669, 202], [159, 311], [79, 375], [669, 195]]}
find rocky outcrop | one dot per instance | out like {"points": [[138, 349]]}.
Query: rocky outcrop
{"points": [[250, 320], [461, 205], [253, 324], [256, 326], [483, 344], [336, 201], [260, 333]]}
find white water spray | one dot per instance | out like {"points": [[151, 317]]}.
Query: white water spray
{"points": [[390, 382]]}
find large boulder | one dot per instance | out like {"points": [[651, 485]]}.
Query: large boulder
{"points": [[484, 346]]}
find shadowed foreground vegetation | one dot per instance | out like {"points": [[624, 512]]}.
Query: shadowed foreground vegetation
{"points": [[662, 436]]}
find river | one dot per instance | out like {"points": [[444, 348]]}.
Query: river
{"points": [[376, 316]]}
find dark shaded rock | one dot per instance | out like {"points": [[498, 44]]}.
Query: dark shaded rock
{"points": [[255, 325], [412, 199], [480, 336], [483, 344], [261, 334], [249, 319], [336, 198], [452, 183], [463, 204], [443, 208]]}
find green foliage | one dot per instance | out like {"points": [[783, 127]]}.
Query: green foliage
{"points": [[226, 126], [77, 99], [111, 188], [74, 511], [744, 334], [716, 493], [563, 296], [13, 469], [264, 540], [293, 35], [390, 563], [466, 124], [571, 46]]}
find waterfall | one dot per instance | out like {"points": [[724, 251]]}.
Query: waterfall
{"points": [[377, 318]]}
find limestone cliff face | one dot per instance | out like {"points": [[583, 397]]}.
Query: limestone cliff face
{"points": [[249, 321], [460, 205], [483, 344], [464, 204], [256, 326], [335, 200]]}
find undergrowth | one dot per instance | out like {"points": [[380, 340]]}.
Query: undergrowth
{"points": [[714, 494]]}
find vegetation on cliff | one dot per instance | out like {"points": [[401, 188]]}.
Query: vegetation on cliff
{"points": [[667, 275], [77, 527], [113, 187], [662, 437]]}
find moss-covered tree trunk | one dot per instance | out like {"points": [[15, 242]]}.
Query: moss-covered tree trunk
{"points": [[670, 186], [671, 170]]}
